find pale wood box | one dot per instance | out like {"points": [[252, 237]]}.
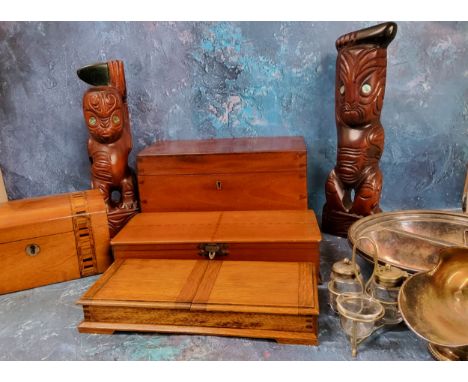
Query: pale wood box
{"points": [[173, 274], [289, 235], [260, 299], [52, 239]]}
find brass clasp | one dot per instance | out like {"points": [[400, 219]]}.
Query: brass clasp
{"points": [[211, 250]]}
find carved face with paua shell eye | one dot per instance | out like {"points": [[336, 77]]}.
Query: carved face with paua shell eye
{"points": [[103, 111], [360, 84]]}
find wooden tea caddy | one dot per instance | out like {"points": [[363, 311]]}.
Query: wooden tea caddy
{"points": [[52, 239], [247, 272]]}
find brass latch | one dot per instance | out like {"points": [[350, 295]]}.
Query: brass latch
{"points": [[211, 250]]}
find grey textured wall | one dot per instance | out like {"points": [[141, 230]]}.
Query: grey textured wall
{"points": [[206, 80]]}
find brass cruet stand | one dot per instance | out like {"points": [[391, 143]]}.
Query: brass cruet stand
{"points": [[360, 313]]}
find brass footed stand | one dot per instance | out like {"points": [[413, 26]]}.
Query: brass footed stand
{"points": [[445, 353]]}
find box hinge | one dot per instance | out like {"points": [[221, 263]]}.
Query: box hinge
{"points": [[212, 250]]}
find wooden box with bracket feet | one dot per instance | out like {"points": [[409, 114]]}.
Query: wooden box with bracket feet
{"points": [[51, 239], [259, 299], [232, 273]]}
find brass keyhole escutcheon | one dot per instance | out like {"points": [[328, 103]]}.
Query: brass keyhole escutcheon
{"points": [[218, 185], [32, 249]]}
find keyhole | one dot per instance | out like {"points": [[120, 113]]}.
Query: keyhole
{"points": [[33, 249], [218, 185]]}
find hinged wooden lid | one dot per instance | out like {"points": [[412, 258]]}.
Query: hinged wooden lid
{"points": [[227, 155], [241, 233], [46, 215], [294, 226], [249, 287], [258, 287]]}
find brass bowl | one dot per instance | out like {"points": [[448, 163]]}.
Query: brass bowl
{"points": [[410, 240], [434, 305]]}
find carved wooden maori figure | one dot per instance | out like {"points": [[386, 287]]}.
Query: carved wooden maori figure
{"points": [[110, 142], [360, 86]]}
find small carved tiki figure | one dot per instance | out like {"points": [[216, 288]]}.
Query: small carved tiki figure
{"points": [[110, 142], [360, 86]]}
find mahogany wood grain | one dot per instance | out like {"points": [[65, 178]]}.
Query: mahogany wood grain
{"points": [[224, 174], [101, 241], [215, 192], [225, 146], [290, 235], [221, 163], [237, 252]]}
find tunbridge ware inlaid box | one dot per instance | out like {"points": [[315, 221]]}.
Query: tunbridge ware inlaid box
{"points": [[51, 239], [262, 173]]}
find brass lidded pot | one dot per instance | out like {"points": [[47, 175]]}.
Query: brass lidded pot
{"points": [[344, 279]]}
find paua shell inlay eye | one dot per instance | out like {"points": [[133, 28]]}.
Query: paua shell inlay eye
{"points": [[366, 88], [115, 119], [92, 121], [342, 89]]}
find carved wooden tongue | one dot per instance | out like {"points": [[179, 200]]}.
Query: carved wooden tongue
{"points": [[96, 74]]}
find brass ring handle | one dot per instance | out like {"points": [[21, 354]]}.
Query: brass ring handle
{"points": [[32, 249]]}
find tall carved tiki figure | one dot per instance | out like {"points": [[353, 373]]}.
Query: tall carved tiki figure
{"points": [[361, 68], [110, 141]]}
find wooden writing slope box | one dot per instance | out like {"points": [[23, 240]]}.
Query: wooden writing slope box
{"points": [[224, 174], [161, 281], [52, 239], [291, 235], [276, 300]]}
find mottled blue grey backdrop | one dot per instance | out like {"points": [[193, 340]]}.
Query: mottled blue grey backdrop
{"points": [[191, 80]]}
